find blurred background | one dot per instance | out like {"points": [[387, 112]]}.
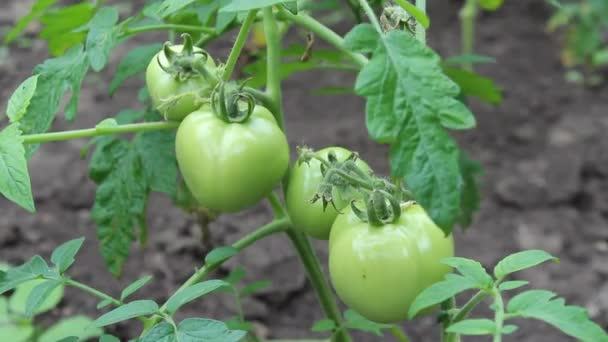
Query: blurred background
{"points": [[545, 186]]}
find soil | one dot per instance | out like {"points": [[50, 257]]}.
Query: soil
{"points": [[545, 185]]}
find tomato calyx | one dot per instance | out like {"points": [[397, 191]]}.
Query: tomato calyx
{"points": [[187, 63], [230, 103], [381, 198]]}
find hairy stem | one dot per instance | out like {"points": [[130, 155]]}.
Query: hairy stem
{"points": [[273, 60], [318, 282], [467, 21], [324, 33], [499, 316], [371, 15], [93, 132], [420, 30], [241, 38]]}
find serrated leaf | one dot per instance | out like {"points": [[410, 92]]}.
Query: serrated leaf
{"points": [[61, 26], [133, 287], [14, 177], [102, 37], [63, 256], [439, 292], [572, 320], [157, 152], [220, 254], [133, 309], [415, 12], [39, 294], [37, 9], [56, 76], [471, 195], [475, 85], [512, 285], [323, 325], [354, 320], [120, 199], [471, 270], [20, 99], [409, 99], [246, 5], [208, 330], [193, 292], [45, 301], [13, 277], [254, 287], [521, 261], [132, 64]]}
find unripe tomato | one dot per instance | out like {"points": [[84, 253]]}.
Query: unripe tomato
{"points": [[163, 86], [231, 166], [304, 182], [379, 270]]}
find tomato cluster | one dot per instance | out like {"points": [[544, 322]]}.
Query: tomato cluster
{"points": [[231, 157]]}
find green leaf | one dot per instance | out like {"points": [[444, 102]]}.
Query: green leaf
{"points": [[56, 76], [63, 256], [490, 5], [133, 287], [468, 59], [208, 330], [254, 287], [108, 338], [133, 63], [193, 292], [291, 6], [69, 339], [415, 12], [246, 5], [471, 195], [168, 7], [104, 303], [521, 261], [37, 9], [512, 285], [353, 320], [120, 200], [162, 332], [45, 296], [61, 26], [474, 85], [409, 99], [572, 320], [324, 325], [20, 100], [18, 275], [471, 270], [39, 295], [439, 292], [157, 152], [473, 327], [17, 333], [133, 309], [102, 37], [14, 177], [220, 254], [235, 276]]}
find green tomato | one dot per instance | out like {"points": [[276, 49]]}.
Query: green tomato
{"points": [[304, 182], [162, 86], [231, 166], [379, 270]]}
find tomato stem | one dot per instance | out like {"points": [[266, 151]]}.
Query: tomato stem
{"points": [[467, 21], [324, 33], [499, 309], [420, 31], [93, 132], [241, 39], [92, 291], [162, 27], [273, 60], [371, 15], [466, 309], [399, 334]]}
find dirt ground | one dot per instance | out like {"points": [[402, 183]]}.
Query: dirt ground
{"points": [[544, 150]]}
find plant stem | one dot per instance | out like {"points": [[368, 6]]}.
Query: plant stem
{"points": [[447, 306], [263, 97], [93, 132], [241, 38], [399, 334], [273, 61], [469, 306], [467, 21], [92, 291], [275, 204], [499, 308], [371, 15], [317, 279], [131, 31], [420, 30], [324, 33]]}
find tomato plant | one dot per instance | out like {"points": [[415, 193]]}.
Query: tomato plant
{"points": [[380, 270], [304, 181], [210, 133]]}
